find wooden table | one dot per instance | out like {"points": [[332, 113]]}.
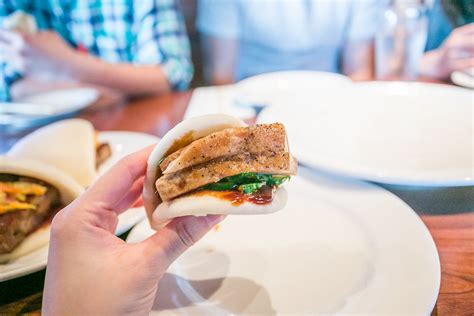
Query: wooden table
{"points": [[447, 212]]}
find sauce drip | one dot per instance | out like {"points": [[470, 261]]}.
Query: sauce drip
{"points": [[235, 197]]}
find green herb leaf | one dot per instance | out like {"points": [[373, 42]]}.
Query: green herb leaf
{"points": [[250, 187], [247, 182], [220, 186], [277, 180]]}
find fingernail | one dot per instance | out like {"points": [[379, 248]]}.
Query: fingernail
{"points": [[214, 219]]}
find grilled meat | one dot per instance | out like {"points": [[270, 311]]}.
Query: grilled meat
{"points": [[103, 152], [172, 185], [228, 142], [17, 224]]}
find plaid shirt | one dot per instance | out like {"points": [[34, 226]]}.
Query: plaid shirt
{"points": [[141, 32]]}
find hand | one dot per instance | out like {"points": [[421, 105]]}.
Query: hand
{"points": [[43, 55], [456, 53], [90, 270]]}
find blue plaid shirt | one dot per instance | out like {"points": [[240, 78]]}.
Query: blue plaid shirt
{"points": [[141, 32]]}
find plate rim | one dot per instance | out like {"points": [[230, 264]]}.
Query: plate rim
{"points": [[113, 133], [336, 76], [27, 269], [25, 122], [94, 93], [388, 176], [363, 175]]}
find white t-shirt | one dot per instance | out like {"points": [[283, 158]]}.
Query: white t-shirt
{"points": [[279, 35]]}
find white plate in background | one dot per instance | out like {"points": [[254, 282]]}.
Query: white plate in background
{"points": [[286, 87], [269, 87], [388, 132], [63, 101], [24, 265], [123, 143], [44, 108], [216, 99], [338, 247]]}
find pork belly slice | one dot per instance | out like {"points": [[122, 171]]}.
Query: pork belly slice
{"points": [[175, 184], [228, 142]]}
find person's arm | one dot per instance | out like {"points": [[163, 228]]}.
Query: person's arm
{"points": [[161, 39], [127, 78], [219, 58], [47, 56], [456, 53], [218, 23], [160, 52], [160, 56], [358, 60]]}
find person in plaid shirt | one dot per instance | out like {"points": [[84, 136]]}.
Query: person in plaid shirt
{"points": [[134, 46]]}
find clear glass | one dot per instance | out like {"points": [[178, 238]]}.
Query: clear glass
{"points": [[400, 40]]}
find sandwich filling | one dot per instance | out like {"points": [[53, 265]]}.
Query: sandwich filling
{"points": [[25, 203], [102, 152], [243, 164], [250, 187]]}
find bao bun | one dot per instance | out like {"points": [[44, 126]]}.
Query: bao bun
{"points": [[200, 205], [69, 145], [184, 133], [68, 188]]}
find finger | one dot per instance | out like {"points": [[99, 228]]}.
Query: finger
{"points": [[463, 44], [139, 202], [180, 234], [461, 53], [117, 182], [462, 64], [131, 197], [465, 29]]}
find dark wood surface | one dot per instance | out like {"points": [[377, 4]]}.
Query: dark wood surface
{"points": [[447, 212]]}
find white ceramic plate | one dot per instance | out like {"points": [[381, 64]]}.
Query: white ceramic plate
{"points": [[345, 248], [275, 86], [216, 99], [266, 89], [27, 264], [397, 133], [122, 144], [43, 108], [64, 100]]}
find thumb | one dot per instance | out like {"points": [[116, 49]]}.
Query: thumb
{"points": [[180, 234]]}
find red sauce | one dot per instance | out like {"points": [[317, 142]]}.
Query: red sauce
{"points": [[261, 197]]}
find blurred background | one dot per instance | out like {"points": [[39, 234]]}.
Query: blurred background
{"points": [[398, 39], [225, 41], [373, 90]]}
